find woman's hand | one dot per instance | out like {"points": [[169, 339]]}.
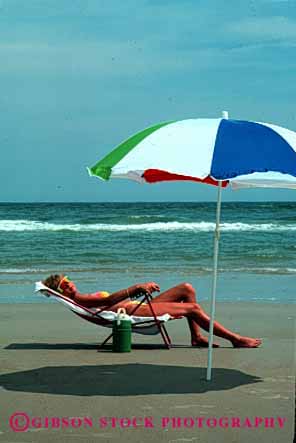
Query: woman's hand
{"points": [[148, 288]]}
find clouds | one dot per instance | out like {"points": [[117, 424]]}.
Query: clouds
{"points": [[277, 1], [139, 42], [80, 75], [276, 28], [102, 58]]}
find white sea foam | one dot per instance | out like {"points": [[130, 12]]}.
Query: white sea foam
{"points": [[31, 225], [263, 270], [195, 270], [147, 216], [20, 271]]}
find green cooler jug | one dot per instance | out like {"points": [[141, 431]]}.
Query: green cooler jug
{"points": [[122, 332]]}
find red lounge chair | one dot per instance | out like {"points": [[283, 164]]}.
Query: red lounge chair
{"points": [[142, 325]]}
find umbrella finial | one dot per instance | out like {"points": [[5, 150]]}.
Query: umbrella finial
{"points": [[225, 114]]}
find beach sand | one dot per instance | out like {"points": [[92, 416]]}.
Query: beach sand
{"points": [[50, 368]]}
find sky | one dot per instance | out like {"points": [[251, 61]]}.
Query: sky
{"points": [[77, 77]]}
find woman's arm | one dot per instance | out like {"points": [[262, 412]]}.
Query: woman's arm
{"points": [[131, 292], [95, 300], [123, 294]]}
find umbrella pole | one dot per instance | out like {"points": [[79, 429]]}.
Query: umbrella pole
{"points": [[214, 285]]}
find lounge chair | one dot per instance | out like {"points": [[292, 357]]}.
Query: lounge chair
{"points": [[142, 325]]}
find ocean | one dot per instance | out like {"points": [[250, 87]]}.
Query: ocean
{"points": [[109, 246]]}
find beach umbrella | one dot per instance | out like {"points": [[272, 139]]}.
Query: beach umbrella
{"points": [[215, 151]]}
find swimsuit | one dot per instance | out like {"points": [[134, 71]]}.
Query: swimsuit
{"points": [[134, 302], [103, 293]]}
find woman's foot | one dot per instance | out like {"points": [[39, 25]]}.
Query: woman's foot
{"points": [[202, 342], [246, 342]]}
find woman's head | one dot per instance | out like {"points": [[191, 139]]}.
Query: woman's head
{"points": [[61, 284], [53, 281]]}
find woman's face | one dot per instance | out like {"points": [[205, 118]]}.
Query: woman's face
{"points": [[66, 286]]}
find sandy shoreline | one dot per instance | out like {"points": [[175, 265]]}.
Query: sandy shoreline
{"points": [[50, 368]]}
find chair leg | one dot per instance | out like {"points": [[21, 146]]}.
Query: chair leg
{"points": [[106, 340], [163, 332], [167, 335], [161, 327]]}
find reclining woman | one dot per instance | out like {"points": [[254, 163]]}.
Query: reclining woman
{"points": [[177, 301]]}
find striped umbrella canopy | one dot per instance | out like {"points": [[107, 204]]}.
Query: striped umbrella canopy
{"points": [[217, 151], [205, 150]]}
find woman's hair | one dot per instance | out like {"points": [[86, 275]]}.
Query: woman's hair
{"points": [[52, 281]]}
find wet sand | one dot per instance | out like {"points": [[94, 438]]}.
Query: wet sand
{"points": [[50, 367]]}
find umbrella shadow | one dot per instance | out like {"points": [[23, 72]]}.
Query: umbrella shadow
{"points": [[123, 380]]}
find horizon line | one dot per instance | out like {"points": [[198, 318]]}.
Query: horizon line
{"points": [[146, 201]]}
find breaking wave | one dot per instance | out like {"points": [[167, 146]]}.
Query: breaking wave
{"points": [[31, 225]]}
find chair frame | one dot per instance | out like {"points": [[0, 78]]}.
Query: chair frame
{"points": [[161, 327], [94, 315]]}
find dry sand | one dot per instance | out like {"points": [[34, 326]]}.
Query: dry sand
{"points": [[50, 368]]}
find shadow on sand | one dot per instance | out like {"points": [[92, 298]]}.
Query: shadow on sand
{"points": [[123, 380], [85, 346]]}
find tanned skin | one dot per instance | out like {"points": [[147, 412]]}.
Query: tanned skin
{"points": [[179, 301]]}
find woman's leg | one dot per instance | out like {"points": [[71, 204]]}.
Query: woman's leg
{"points": [[185, 292], [196, 313], [182, 292]]}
